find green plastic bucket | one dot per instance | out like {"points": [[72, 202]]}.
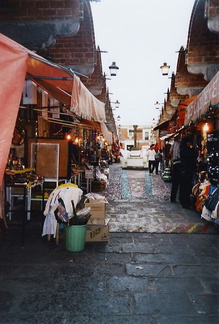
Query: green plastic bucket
{"points": [[75, 236]]}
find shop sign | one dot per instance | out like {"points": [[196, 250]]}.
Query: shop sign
{"points": [[209, 96]]}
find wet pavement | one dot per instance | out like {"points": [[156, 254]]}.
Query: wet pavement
{"points": [[147, 273], [139, 202]]}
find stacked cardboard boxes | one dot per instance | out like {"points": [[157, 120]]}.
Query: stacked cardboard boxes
{"points": [[97, 227]]}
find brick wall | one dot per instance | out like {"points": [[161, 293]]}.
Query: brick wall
{"points": [[203, 44], [69, 50], [175, 97], [23, 10], [213, 8], [76, 50], [187, 83]]}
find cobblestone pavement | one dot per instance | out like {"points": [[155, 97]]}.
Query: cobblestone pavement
{"points": [[137, 277], [139, 202]]}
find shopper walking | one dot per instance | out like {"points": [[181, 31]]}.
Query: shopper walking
{"points": [[158, 160], [188, 158], [176, 168], [151, 158]]}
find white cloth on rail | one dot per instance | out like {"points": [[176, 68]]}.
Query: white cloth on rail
{"points": [[67, 193]]}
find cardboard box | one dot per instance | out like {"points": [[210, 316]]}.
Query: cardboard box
{"points": [[96, 220], [98, 212], [97, 233]]}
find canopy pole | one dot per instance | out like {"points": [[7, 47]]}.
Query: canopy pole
{"points": [[28, 77]]}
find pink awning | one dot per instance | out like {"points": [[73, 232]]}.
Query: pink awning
{"points": [[13, 68], [16, 63], [200, 105], [106, 133]]}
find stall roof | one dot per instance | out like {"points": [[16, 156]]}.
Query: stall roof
{"points": [[162, 125], [209, 97], [65, 86], [18, 63], [187, 101], [167, 136]]}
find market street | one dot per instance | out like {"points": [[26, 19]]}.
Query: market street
{"points": [[135, 278], [140, 203]]}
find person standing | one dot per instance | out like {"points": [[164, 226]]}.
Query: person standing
{"points": [[188, 156], [151, 158], [158, 158], [176, 168]]}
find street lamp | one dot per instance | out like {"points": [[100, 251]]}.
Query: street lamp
{"points": [[165, 68], [116, 102], [113, 69], [157, 104]]}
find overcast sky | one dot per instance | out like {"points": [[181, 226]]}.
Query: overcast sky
{"points": [[140, 35]]}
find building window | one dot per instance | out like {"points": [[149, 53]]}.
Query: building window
{"points": [[130, 133], [146, 136]]}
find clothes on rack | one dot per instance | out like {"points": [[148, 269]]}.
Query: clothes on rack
{"points": [[60, 199], [213, 214]]}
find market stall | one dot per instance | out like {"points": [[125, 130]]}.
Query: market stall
{"points": [[75, 111]]}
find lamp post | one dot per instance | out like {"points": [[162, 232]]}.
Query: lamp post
{"points": [[117, 103], [113, 69], [118, 126], [165, 68], [158, 104]]}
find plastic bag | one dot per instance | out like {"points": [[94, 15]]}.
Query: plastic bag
{"points": [[95, 196], [212, 200], [81, 218]]}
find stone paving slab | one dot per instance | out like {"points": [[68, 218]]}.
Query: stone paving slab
{"points": [[134, 278]]}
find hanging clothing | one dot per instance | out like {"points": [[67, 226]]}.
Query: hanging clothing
{"points": [[68, 193]]}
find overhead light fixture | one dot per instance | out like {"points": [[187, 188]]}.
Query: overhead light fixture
{"points": [[68, 137], [205, 127], [113, 69], [165, 68]]}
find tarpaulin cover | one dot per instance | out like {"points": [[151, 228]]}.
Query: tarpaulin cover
{"points": [[60, 82], [13, 67], [82, 97], [106, 133]]}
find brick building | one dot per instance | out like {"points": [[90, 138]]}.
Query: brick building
{"points": [[192, 102], [127, 136], [63, 33]]}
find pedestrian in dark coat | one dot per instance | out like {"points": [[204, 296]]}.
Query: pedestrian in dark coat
{"points": [[176, 168], [188, 157]]}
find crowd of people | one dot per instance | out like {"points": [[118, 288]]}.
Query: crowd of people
{"points": [[184, 158], [181, 158], [190, 184]]}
